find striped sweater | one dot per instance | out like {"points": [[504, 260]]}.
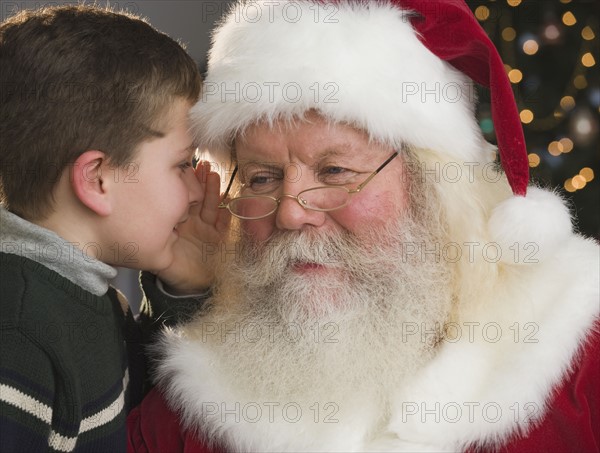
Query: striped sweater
{"points": [[63, 363], [63, 360], [66, 339]]}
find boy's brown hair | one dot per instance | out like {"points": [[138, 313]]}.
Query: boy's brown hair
{"points": [[75, 78]]}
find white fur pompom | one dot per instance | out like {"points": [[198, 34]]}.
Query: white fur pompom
{"points": [[530, 229]]}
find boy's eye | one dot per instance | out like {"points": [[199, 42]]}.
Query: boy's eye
{"points": [[185, 165]]}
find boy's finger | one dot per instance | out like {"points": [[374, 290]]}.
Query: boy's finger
{"points": [[195, 209], [210, 210], [202, 170], [223, 220]]}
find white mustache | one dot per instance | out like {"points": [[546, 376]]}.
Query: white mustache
{"points": [[296, 248]]}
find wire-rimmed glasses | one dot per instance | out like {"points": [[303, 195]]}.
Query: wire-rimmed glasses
{"points": [[321, 198]]}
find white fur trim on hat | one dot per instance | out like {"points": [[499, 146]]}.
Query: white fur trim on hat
{"points": [[360, 63], [530, 229]]}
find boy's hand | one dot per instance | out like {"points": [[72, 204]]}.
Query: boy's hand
{"points": [[200, 239]]}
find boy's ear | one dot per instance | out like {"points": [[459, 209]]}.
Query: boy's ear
{"points": [[89, 183]]}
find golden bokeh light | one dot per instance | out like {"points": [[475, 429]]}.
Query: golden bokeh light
{"points": [[534, 160], [587, 173], [509, 34], [482, 13], [587, 33], [569, 185], [567, 103], [569, 19], [526, 116], [580, 82], [567, 144], [513, 2], [555, 148], [588, 60], [515, 76], [578, 182]]}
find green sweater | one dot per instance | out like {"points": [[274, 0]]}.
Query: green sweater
{"points": [[64, 378], [63, 367], [72, 363]]}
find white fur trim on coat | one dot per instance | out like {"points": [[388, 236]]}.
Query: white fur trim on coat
{"points": [[481, 388], [501, 380]]}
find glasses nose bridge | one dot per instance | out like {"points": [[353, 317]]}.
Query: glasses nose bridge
{"points": [[300, 201]]}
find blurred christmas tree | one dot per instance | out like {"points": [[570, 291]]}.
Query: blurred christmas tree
{"points": [[551, 50]]}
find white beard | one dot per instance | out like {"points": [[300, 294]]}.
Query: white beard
{"points": [[231, 373], [334, 345]]}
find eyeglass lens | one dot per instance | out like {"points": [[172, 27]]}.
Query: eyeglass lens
{"points": [[319, 199]]}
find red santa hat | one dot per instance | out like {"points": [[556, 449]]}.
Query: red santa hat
{"points": [[401, 70]]}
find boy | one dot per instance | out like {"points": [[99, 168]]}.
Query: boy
{"points": [[95, 172]]}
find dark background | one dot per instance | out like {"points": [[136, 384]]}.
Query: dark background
{"points": [[552, 46], [559, 87]]}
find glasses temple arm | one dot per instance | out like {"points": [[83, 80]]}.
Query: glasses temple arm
{"points": [[372, 175], [222, 204]]}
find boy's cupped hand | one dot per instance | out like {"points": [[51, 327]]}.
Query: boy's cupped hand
{"points": [[201, 239]]}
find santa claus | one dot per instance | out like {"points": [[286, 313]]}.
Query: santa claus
{"points": [[386, 286]]}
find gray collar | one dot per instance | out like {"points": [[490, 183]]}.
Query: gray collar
{"points": [[23, 238]]}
